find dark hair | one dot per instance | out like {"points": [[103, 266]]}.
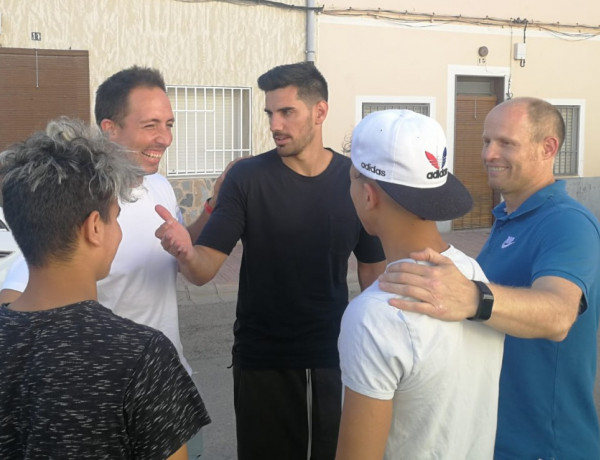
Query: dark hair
{"points": [[311, 85], [112, 96], [53, 181]]}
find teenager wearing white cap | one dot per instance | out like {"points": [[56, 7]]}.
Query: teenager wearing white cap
{"points": [[415, 387]]}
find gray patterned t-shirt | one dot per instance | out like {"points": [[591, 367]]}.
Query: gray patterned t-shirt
{"points": [[81, 382]]}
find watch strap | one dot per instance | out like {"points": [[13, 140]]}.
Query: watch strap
{"points": [[486, 302], [207, 207]]}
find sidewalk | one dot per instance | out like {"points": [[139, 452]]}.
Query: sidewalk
{"points": [[224, 286]]}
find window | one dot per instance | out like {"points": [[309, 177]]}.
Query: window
{"points": [[369, 107], [212, 127], [567, 160], [364, 105]]}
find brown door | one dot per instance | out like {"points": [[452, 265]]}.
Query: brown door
{"points": [[471, 111], [38, 85]]}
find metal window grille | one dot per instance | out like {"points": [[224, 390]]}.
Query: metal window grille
{"points": [[567, 159], [369, 107], [212, 127]]}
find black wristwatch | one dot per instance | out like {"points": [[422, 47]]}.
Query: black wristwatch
{"points": [[486, 302]]}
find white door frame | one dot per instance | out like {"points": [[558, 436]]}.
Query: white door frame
{"points": [[470, 71]]}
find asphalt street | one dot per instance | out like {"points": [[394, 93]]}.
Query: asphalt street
{"points": [[206, 333]]}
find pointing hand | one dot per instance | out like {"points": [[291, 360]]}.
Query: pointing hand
{"points": [[173, 236]]}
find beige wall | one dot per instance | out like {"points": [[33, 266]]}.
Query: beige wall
{"points": [[204, 43], [375, 57]]}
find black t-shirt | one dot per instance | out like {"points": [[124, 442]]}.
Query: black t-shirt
{"points": [[298, 233], [81, 382]]}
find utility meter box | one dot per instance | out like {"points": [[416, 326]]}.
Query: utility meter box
{"points": [[520, 51]]}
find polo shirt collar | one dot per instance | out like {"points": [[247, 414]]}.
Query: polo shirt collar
{"points": [[533, 202]]}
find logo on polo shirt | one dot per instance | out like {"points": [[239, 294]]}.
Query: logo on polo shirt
{"points": [[440, 171], [509, 241], [373, 169]]}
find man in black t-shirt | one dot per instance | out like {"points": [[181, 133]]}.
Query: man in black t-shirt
{"points": [[292, 210], [77, 380]]}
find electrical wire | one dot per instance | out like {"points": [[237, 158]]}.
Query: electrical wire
{"points": [[584, 32], [271, 3], [428, 20]]}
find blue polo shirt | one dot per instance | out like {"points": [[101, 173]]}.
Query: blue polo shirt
{"points": [[546, 407]]}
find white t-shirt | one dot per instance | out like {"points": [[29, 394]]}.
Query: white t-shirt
{"points": [[442, 376], [141, 283]]}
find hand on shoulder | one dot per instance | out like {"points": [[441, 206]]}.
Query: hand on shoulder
{"points": [[438, 289]]}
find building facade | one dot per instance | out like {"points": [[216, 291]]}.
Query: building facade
{"points": [[454, 62], [55, 53]]}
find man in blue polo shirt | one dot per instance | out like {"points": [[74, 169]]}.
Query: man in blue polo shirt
{"points": [[546, 247]]}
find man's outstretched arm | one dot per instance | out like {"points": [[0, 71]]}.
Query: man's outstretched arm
{"points": [[546, 310], [199, 264]]}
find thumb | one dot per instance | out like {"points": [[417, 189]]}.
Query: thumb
{"points": [[429, 255], [164, 214]]}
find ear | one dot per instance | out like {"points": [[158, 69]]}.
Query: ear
{"points": [[550, 147], [371, 196], [108, 126], [321, 108], [92, 229]]}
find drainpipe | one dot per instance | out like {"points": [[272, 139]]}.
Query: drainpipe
{"points": [[311, 20]]}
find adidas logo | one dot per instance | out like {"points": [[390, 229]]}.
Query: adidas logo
{"points": [[437, 174], [440, 171], [373, 168]]}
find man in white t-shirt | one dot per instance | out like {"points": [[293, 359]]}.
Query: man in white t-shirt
{"points": [[133, 109], [415, 387]]}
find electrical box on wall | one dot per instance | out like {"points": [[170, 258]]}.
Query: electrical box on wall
{"points": [[520, 51]]}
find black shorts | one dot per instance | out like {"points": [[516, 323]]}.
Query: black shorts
{"points": [[287, 414]]}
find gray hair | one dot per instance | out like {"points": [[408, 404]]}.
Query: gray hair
{"points": [[53, 181]]}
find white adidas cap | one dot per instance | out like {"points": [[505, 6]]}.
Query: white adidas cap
{"points": [[405, 152]]}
